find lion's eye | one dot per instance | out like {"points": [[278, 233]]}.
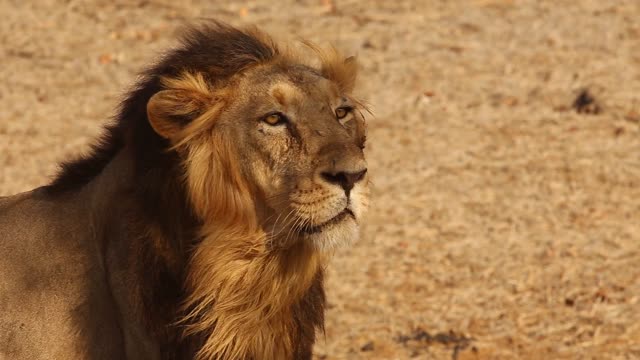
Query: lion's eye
{"points": [[275, 119], [341, 112]]}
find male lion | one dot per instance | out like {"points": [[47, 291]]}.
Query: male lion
{"points": [[199, 225]]}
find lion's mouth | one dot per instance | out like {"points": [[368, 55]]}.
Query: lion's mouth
{"points": [[334, 220]]}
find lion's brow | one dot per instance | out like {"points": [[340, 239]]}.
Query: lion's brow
{"points": [[285, 93]]}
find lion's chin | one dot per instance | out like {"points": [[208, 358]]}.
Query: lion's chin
{"points": [[334, 235]]}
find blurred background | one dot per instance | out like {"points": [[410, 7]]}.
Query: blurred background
{"points": [[504, 152]]}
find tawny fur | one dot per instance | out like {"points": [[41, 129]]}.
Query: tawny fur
{"points": [[213, 255]]}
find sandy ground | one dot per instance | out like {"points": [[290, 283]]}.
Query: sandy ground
{"points": [[505, 223]]}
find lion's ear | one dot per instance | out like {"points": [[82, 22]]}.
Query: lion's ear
{"points": [[170, 111], [350, 73], [185, 97]]}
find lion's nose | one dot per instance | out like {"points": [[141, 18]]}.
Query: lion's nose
{"points": [[345, 179]]}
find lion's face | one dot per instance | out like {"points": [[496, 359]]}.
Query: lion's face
{"points": [[277, 147], [300, 142]]}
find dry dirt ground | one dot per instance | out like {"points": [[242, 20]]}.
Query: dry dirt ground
{"points": [[505, 222]]}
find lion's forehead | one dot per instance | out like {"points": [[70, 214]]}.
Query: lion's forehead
{"points": [[289, 85]]}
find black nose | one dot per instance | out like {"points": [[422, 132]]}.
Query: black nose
{"points": [[345, 179]]}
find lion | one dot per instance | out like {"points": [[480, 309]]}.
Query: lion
{"points": [[200, 224]]}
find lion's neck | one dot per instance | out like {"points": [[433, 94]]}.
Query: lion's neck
{"points": [[146, 228], [253, 303], [243, 300]]}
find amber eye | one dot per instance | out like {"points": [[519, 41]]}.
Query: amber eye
{"points": [[341, 112], [274, 119]]}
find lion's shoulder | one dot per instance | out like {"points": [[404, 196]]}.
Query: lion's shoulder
{"points": [[50, 279]]}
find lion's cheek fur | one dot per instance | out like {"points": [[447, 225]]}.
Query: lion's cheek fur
{"points": [[216, 186]]}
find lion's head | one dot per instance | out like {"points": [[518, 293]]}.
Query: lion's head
{"points": [[276, 146]]}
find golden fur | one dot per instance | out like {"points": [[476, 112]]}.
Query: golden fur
{"points": [[268, 203]]}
